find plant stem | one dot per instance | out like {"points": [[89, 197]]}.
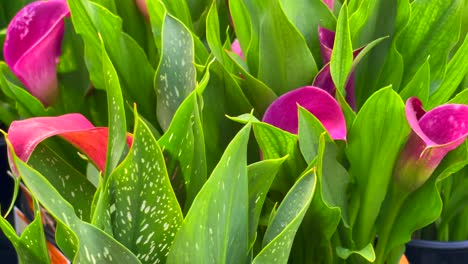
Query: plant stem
{"points": [[396, 200]]}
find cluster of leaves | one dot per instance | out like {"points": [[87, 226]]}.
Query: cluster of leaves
{"points": [[195, 186]]}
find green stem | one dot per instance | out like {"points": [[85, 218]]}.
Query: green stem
{"points": [[396, 200]]}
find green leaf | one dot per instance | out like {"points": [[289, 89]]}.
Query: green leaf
{"points": [[360, 17], [215, 229], [342, 54], [280, 234], [183, 146], [285, 61], [31, 245], [457, 69], [309, 133], [307, 16], [129, 59], [222, 96], [259, 95], [242, 23], [261, 176], [180, 10], [419, 85], [134, 24], [367, 252], [117, 140], [460, 98], [72, 185], [147, 215], [88, 243], [27, 104], [276, 143], [432, 30], [374, 141], [176, 75]]}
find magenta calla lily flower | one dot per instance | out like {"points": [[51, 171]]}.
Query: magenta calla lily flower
{"points": [[329, 3], [323, 78], [282, 113], [33, 45], [25, 135], [433, 135]]}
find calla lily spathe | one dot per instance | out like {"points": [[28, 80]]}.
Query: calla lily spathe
{"points": [[26, 134], [283, 113], [33, 45], [433, 135]]}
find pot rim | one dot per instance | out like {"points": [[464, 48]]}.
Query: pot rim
{"points": [[439, 244]]}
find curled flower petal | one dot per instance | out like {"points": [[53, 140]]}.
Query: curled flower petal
{"points": [[433, 135], [26, 134], [282, 113], [236, 48], [327, 39], [33, 45]]}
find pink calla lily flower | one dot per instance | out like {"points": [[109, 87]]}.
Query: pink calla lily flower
{"points": [[25, 135], [33, 45], [433, 135], [329, 3], [282, 113], [323, 78]]}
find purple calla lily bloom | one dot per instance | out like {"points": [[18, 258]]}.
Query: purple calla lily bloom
{"points": [[282, 113], [433, 135], [33, 45], [323, 78]]}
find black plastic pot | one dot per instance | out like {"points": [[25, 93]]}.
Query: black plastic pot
{"points": [[435, 252]]}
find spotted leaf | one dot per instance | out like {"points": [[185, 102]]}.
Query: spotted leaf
{"points": [[282, 229], [31, 245], [83, 242], [147, 215], [215, 229], [176, 74]]}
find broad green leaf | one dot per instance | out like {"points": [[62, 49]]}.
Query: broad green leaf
{"points": [[259, 95], [242, 23], [213, 33], [117, 139], [367, 252], [89, 244], [419, 86], [432, 30], [215, 229], [183, 146], [280, 234], [384, 20], [420, 209], [261, 176], [197, 8], [328, 206], [276, 143], [176, 75], [374, 141], [457, 68], [72, 185], [134, 25], [285, 61], [360, 17], [392, 71], [457, 199], [147, 215], [307, 16], [31, 244], [93, 22], [222, 96], [342, 54]]}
